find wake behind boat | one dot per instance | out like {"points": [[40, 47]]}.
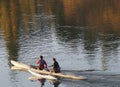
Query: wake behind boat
{"points": [[42, 73]]}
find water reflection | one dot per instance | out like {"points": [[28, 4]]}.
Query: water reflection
{"points": [[83, 30], [42, 82], [10, 24], [71, 23]]}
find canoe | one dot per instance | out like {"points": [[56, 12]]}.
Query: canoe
{"points": [[36, 72]]}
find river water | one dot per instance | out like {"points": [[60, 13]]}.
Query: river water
{"points": [[83, 35]]}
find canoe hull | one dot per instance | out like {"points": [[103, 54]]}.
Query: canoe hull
{"points": [[35, 72]]}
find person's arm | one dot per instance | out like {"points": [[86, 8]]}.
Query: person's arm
{"points": [[38, 62], [50, 66]]}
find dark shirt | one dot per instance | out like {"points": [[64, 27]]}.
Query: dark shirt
{"points": [[56, 66]]}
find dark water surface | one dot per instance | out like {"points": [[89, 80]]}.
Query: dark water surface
{"points": [[83, 35]]}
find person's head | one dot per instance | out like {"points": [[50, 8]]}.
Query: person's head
{"points": [[54, 59], [41, 56]]}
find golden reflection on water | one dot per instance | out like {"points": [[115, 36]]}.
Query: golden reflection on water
{"points": [[93, 24], [72, 12], [101, 15]]}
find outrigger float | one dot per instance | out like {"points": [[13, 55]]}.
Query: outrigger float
{"points": [[42, 74]]}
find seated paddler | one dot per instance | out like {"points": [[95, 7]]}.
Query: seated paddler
{"points": [[41, 63], [55, 66]]}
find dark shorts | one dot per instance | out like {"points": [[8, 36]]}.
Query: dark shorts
{"points": [[57, 70]]}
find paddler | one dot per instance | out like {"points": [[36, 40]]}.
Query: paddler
{"points": [[55, 66], [41, 63]]}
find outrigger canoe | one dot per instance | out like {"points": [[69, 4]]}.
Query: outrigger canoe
{"points": [[37, 74]]}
